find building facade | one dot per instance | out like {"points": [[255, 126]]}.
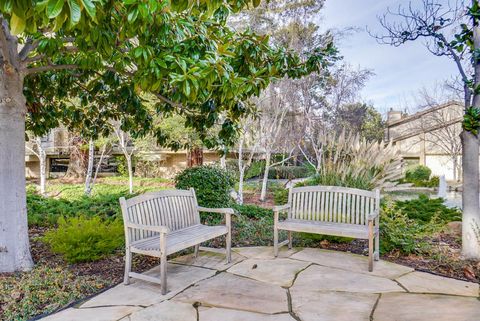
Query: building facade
{"points": [[430, 137]]}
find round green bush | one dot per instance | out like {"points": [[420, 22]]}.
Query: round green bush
{"points": [[212, 185], [418, 173]]}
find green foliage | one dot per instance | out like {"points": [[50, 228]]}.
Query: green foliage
{"points": [[288, 172], [43, 290], [280, 196], [212, 185], [82, 239], [256, 169], [471, 120], [424, 209], [122, 168], [332, 178], [418, 173], [252, 211], [401, 233]]}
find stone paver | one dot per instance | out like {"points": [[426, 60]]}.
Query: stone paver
{"points": [[421, 282], [279, 271], [166, 311], [234, 292], [218, 314], [333, 306], [146, 293], [424, 307], [351, 262], [209, 259], [327, 286], [97, 314], [264, 252], [323, 278]]}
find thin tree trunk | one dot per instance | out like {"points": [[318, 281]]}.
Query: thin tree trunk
{"points": [[91, 157], [97, 169], [223, 162], [240, 186], [263, 193], [42, 157], [14, 243], [130, 172]]}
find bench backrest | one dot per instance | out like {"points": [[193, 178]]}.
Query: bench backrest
{"points": [[176, 209], [332, 204]]}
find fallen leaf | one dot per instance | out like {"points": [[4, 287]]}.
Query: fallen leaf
{"points": [[469, 273]]}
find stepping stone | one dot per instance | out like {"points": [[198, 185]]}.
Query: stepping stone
{"points": [[234, 292], [423, 307], [143, 293], [218, 314], [166, 311], [209, 259], [351, 262], [321, 278], [333, 306], [421, 282], [275, 271], [264, 252], [97, 314]]}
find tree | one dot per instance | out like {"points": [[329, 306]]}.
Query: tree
{"points": [[104, 54], [360, 118], [434, 22], [127, 147], [38, 150]]}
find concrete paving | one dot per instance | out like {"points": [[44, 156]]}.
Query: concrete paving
{"points": [[302, 284]]}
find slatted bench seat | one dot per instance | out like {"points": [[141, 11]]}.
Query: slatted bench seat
{"points": [[331, 210], [165, 222]]}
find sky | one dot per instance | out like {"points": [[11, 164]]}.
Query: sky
{"points": [[400, 72]]}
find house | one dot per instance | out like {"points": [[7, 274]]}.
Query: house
{"points": [[430, 137], [57, 146]]}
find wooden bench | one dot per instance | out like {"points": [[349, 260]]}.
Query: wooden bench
{"points": [[161, 223], [331, 210]]}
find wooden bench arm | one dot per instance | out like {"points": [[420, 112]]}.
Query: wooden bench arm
{"points": [[280, 208], [373, 215], [217, 210], [153, 228]]}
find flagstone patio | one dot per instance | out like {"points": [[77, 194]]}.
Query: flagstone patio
{"points": [[301, 284]]}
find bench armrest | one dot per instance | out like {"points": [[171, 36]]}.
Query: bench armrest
{"points": [[153, 228], [373, 215], [280, 208], [217, 210]]}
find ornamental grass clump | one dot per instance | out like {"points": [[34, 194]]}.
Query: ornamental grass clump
{"points": [[351, 161]]}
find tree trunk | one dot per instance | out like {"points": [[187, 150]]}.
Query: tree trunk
{"points": [[263, 193], [14, 243], [130, 172], [470, 219], [42, 156], [455, 168], [223, 161], [195, 157], [77, 159], [240, 186], [91, 157]]}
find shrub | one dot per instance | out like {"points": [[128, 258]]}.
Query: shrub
{"points": [[288, 172], [256, 169], [418, 173], [253, 211], [424, 209], [82, 239], [212, 184], [280, 196], [400, 232]]}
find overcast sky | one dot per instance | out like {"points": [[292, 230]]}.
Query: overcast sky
{"points": [[399, 72]]}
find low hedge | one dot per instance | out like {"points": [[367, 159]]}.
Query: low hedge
{"points": [[288, 172]]}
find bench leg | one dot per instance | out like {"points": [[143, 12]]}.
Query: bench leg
{"points": [[377, 247], [197, 248], [163, 263], [290, 240], [128, 266], [275, 242], [370, 246], [228, 238]]}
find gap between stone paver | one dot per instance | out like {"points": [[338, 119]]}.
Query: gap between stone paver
{"points": [[290, 307], [375, 306]]}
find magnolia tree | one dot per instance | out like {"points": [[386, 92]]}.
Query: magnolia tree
{"points": [[83, 63], [453, 32]]}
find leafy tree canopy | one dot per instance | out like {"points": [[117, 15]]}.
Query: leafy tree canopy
{"points": [[89, 61]]}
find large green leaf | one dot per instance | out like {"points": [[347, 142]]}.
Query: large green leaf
{"points": [[75, 11], [54, 8], [17, 24], [89, 8]]}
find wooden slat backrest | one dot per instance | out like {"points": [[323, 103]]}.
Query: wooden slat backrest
{"points": [[176, 209], [332, 204]]}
